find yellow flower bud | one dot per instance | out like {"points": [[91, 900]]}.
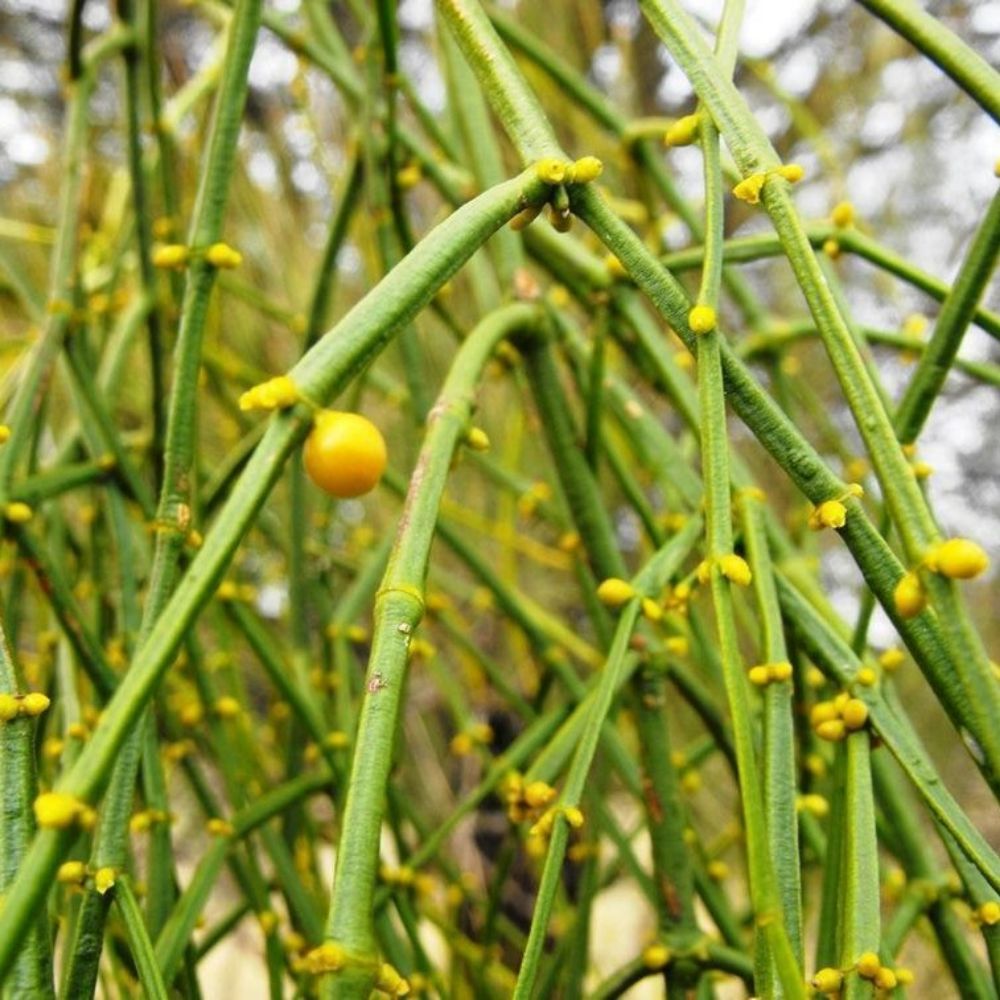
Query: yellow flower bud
{"points": [[4, 433], [477, 439], [760, 675], [792, 172], [461, 744], [958, 559], [615, 592], [885, 979], [868, 965], [701, 319], [538, 794], [173, 256], [854, 714], [57, 810], [104, 879], [909, 596], [989, 913], [832, 730], [717, 870], [409, 176], [842, 214], [781, 671], [17, 512], [828, 980], [749, 188], [815, 805], [684, 131], [892, 659], [9, 707], [830, 514], [34, 704], [584, 170], [223, 256], [656, 956], [227, 707], [736, 569], [220, 827], [574, 816], [71, 872], [274, 394], [327, 957], [651, 610], [551, 170]]}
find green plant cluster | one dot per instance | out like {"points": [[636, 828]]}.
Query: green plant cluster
{"points": [[589, 577]]}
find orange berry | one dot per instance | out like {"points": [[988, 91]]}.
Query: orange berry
{"points": [[345, 454]]}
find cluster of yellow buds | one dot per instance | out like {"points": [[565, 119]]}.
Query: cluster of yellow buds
{"points": [[526, 800], [749, 189], [60, 810], [275, 394], [28, 705], [955, 558], [405, 877], [870, 967], [833, 720], [142, 821], [177, 256], [540, 832], [478, 734], [769, 673], [552, 170]]}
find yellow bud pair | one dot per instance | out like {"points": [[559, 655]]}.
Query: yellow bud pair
{"points": [[275, 394]]}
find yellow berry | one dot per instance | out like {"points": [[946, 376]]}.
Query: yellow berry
{"points": [[345, 455], [909, 596], [615, 592], [702, 319]]}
